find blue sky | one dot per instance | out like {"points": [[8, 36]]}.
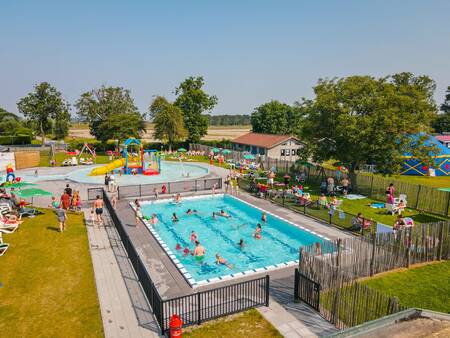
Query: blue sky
{"points": [[249, 52]]}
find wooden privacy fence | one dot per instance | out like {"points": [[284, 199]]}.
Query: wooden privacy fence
{"points": [[197, 307], [335, 267]]}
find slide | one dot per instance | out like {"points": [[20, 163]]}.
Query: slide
{"points": [[108, 167]]}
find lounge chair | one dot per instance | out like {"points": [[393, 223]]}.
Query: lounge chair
{"points": [[391, 209], [3, 246], [8, 228], [30, 212]]}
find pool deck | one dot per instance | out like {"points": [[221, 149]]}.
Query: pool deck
{"points": [[126, 312]]}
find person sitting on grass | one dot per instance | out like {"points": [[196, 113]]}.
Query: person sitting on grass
{"points": [[323, 201], [223, 261]]}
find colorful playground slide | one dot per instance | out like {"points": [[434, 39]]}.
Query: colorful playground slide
{"points": [[108, 167]]}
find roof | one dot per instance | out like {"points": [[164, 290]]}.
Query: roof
{"points": [[443, 138], [428, 142], [263, 140]]}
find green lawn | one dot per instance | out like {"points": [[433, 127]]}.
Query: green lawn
{"points": [[47, 281], [425, 287], [247, 324]]}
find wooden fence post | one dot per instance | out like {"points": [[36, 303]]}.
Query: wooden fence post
{"points": [[441, 237], [408, 247], [372, 256], [418, 194]]}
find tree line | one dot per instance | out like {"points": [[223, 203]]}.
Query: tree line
{"points": [[229, 120]]}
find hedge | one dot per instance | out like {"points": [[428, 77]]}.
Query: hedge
{"points": [[15, 140]]}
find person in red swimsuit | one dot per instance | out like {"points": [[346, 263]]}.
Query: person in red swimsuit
{"points": [[65, 201]]}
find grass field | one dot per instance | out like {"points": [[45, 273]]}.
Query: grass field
{"points": [[247, 324], [60, 157], [48, 287], [425, 287]]}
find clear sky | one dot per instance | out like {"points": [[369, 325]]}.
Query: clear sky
{"points": [[249, 52]]}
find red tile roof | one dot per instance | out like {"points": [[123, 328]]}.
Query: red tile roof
{"points": [[443, 138], [262, 140]]}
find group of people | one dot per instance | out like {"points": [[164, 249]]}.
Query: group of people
{"points": [[329, 188], [69, 200], [231, 183], [110, 182]]}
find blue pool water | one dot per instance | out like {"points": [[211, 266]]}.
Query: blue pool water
{"points": [[280, 241], [170, 172]]}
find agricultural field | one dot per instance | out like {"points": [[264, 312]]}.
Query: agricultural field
{"points": [[79, 130]]}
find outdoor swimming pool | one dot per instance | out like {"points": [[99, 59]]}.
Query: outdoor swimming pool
{"points": [[170, 172], [278, 247]]}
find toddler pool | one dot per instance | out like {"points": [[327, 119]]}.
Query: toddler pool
{"points": [[170, 172], [278, 247]]}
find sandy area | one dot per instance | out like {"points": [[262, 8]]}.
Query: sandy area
{"points": [[214, 133]]}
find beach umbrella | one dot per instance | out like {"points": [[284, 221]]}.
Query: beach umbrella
{"points": [[182, 150], [215, 150], [32, 192], [226, 151], [249, 157]]}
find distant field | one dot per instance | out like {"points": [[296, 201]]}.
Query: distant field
{"points": [[81, 130]]}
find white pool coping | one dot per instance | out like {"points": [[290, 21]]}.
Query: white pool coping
{"points": [[184, 272]]}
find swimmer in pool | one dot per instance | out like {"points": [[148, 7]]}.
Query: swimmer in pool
{"points": [[174, 217], [264, 217], [190, 211], [193, 236], [199, 251], [186, 251], [224, 214], [241, 244], [223, 261], [257, 234], [214, 215], [154, 219]]}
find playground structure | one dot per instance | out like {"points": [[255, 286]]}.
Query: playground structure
{"points": [[10, 177], [135, 160]]}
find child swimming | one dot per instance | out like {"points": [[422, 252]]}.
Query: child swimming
{"points": [[257, 234], [193, 236], [174, 217]]}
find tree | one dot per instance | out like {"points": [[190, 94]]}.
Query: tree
{"points": [[442, 122], [193, 102], [275, 117], [168, 120], [360, 119], [43, 106], [110, 113]]}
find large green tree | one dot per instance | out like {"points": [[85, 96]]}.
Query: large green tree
{"points": [[361, 119], [275, 117], [110, 113], [44, 107], [442, 122], [194, 102], [168, 121]]}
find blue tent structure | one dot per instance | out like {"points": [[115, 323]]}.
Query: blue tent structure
{"points": [[413, 166]]}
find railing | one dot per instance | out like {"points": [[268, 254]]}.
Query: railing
{"points": [[198, 307], [170, 187], [306, 290], [94, 192]]}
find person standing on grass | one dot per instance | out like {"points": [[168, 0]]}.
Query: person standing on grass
{"points": [[62, 218], [98, 208], [65, 200]]}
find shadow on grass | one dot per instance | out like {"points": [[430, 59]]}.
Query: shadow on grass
{"points": [[56, 229]]}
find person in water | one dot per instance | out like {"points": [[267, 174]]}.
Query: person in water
{"points": [[241, 244], [154, 219], [199, 251], [190, 211], [174, 217], [193, 236], [224, 214], [177, 198], [258, 232], [214, 215], [264, 217], [223, 261]]}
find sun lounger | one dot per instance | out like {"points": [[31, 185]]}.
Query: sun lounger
{"points": [[3, 246], [8, 228]]}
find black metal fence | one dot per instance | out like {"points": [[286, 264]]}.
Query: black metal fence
{"points": [[306, 290], [94, 192], [198, 307], [169, 187]]}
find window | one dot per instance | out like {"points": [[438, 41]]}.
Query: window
{"points": [[282, 152], [288, 152], [293, 151]]}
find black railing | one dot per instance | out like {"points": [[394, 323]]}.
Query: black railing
{"points": [[94, 192], [198, 307], [306, 290], [169, 187]]}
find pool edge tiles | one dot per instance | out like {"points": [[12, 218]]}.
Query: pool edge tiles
{"points": [[185, 272]]}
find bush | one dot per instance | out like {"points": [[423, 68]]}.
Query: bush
{"points": [[223, 143], [15, 140]]}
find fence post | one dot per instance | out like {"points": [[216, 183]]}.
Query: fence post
{"points": [[267, 289], [118, 192], [372, 256], [296, 281], [448, 203], [418, 194], [168, 187], [441, 237], [408, 247], [195, 185], [338, 258], [199, 309], [140, 190]]}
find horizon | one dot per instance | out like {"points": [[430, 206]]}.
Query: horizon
{"points": [[248, 53]]}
